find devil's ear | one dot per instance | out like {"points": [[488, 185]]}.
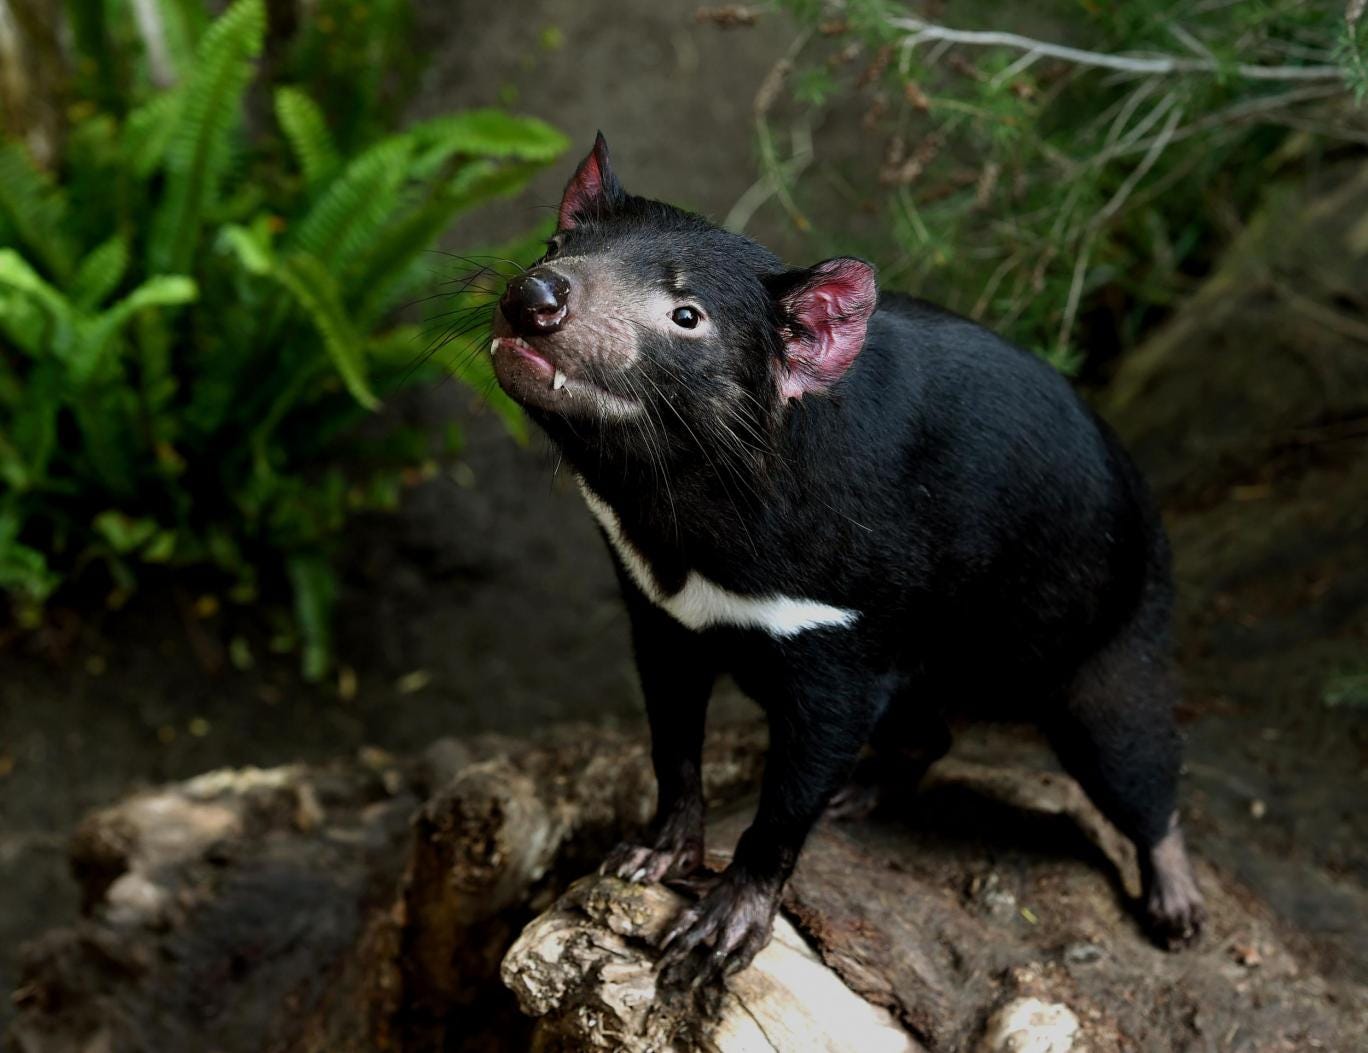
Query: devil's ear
{"points": [[824, 313], [593, 190]]}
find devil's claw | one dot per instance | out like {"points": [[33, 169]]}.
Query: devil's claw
{"points": [[720, 934]]}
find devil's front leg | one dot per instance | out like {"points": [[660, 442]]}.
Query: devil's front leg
{"points": [[815, 737], [677, 671]]}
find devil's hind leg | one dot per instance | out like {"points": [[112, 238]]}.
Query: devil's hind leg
{"points": [[1114, 731], [911, 735]]}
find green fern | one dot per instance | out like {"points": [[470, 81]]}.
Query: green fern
{"points": [[95, 336], [148, 131], [315, 290], [355, 205], [36, 210], [307, 130], [100, 273], [483, 133], [389, 267], [17, 274], [314, 584], [23, 570], [32, 426], [184, 22], [198, 153], [24, 323], [142, 423]]}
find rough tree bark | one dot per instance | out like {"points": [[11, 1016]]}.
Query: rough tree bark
{"points": [[301, 910]]}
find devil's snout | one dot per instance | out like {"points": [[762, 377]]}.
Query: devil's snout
{"points": [[535, 303]]}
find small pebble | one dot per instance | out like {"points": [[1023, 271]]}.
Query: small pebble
{"points": [[1028, 1025]]}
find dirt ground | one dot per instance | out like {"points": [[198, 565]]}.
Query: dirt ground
{"points": [[489, 605]]}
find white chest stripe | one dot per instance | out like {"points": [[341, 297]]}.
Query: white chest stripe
{"points": [[701, 603]]}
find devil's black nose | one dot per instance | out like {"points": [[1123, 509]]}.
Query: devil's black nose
{"points": [[535, 303]]}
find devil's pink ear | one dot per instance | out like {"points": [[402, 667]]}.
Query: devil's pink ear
{"points": [[593, 190], [825, 312]]}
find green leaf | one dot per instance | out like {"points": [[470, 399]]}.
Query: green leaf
{"points": [[148, 130], [383, 270], [251, 251], [163, 290], [307, 130], [483, 133], [315, 592], [124, 533], [16, 273], [477, 372], [100, 273], [184, 22], [199, 150], [25, 323], [24, 570], [401, 351], [33, 426], [95, 335], [355, 205], [316, 292], [36, 210]]}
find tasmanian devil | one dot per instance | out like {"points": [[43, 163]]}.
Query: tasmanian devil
{"points": [[867, 510]]}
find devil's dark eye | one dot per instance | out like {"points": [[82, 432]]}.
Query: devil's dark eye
{"points": [[552, 248], [684, 317]]}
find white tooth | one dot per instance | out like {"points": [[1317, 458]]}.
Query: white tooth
{"points": [[559, 382], [493, 345]]}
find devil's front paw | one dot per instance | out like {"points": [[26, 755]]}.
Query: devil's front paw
{"points": [[721, 933], [676, 852]]}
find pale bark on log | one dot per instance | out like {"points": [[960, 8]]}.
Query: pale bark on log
{"points": [[788, 1001], [994, 922]]}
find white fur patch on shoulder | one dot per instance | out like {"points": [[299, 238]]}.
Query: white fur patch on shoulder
{"points": [[702, 603]]}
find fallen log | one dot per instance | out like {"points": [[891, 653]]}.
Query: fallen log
{"points": [[367, 905], [987, 920]]}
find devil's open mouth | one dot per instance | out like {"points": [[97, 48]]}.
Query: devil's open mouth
{"points": [[531, 377]]}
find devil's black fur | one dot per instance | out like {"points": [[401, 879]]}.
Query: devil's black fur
{"points": [[1000, 548]]}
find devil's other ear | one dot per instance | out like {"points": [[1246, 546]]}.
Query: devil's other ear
{"points": [[593, 190], [824, 312]]}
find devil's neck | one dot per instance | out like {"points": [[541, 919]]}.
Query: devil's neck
{"points": [[699, 493]]}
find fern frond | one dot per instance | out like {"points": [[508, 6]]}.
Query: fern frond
{"points": [[316, 292], [36, 210], [148, 130], [383, 271], [307, 130], [199, 150], [100, 273], [32, 424], [314, 584], [185, 22], [164, 290], [25, 324], [483, 133], [355, 205], [95, 335], [18, 274], [251, 251]]}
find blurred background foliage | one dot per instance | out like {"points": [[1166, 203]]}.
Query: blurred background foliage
{"points": [[1062, 171], [207, 225]]}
